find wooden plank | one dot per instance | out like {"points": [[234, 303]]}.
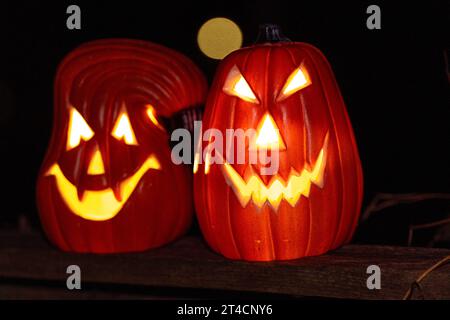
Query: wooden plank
{"points": [[188, 263], [26, 292]]}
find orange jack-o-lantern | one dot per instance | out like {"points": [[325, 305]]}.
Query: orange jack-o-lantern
{"points": [[107, 183], [286, 91]]}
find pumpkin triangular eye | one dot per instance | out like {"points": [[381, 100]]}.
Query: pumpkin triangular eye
{"points": [[298, 80], [236, 85], [78, 129], [123, 130]]}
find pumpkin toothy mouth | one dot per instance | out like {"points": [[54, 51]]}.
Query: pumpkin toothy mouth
{"points": [[99, 205], [253, 188]]}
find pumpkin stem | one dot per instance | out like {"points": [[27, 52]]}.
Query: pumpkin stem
{"points": [[269, 32]]}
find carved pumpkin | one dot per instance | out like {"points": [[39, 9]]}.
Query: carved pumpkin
{"points": [[287, 92], [107, 183]]}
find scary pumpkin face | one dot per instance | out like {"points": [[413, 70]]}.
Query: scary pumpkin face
{"points": [[108, 183], [286, 91], [80, 173]]}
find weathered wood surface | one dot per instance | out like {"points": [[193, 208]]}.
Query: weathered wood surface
{"points": [[188, 263]]}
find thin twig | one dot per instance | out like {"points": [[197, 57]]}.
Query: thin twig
{"points": [[416, 283], [425, 226], [384, 200]]}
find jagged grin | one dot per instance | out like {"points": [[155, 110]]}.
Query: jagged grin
{"points": [[253, 188], [99, 205]]}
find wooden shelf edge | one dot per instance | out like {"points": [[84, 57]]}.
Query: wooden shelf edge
{"points": [[189, 263]]}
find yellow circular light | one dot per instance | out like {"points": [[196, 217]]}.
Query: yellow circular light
{"points": [[218, 37]]}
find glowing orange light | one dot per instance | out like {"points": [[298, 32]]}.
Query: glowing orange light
{"points": [[151, 113], [78, 130], [96, 164], [123, 130], [237, 86], [268, 135], [298, 80], [296, 185], [99, 205]]}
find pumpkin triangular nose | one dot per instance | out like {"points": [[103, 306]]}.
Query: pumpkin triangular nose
{"points": [[96, 165], [268, 135]]}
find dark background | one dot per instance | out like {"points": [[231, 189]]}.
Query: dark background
{"points": [[394, 82]]}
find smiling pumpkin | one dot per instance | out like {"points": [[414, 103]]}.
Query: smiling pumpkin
{"points": [[107, 183], [104, 204], [286, 92]]}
